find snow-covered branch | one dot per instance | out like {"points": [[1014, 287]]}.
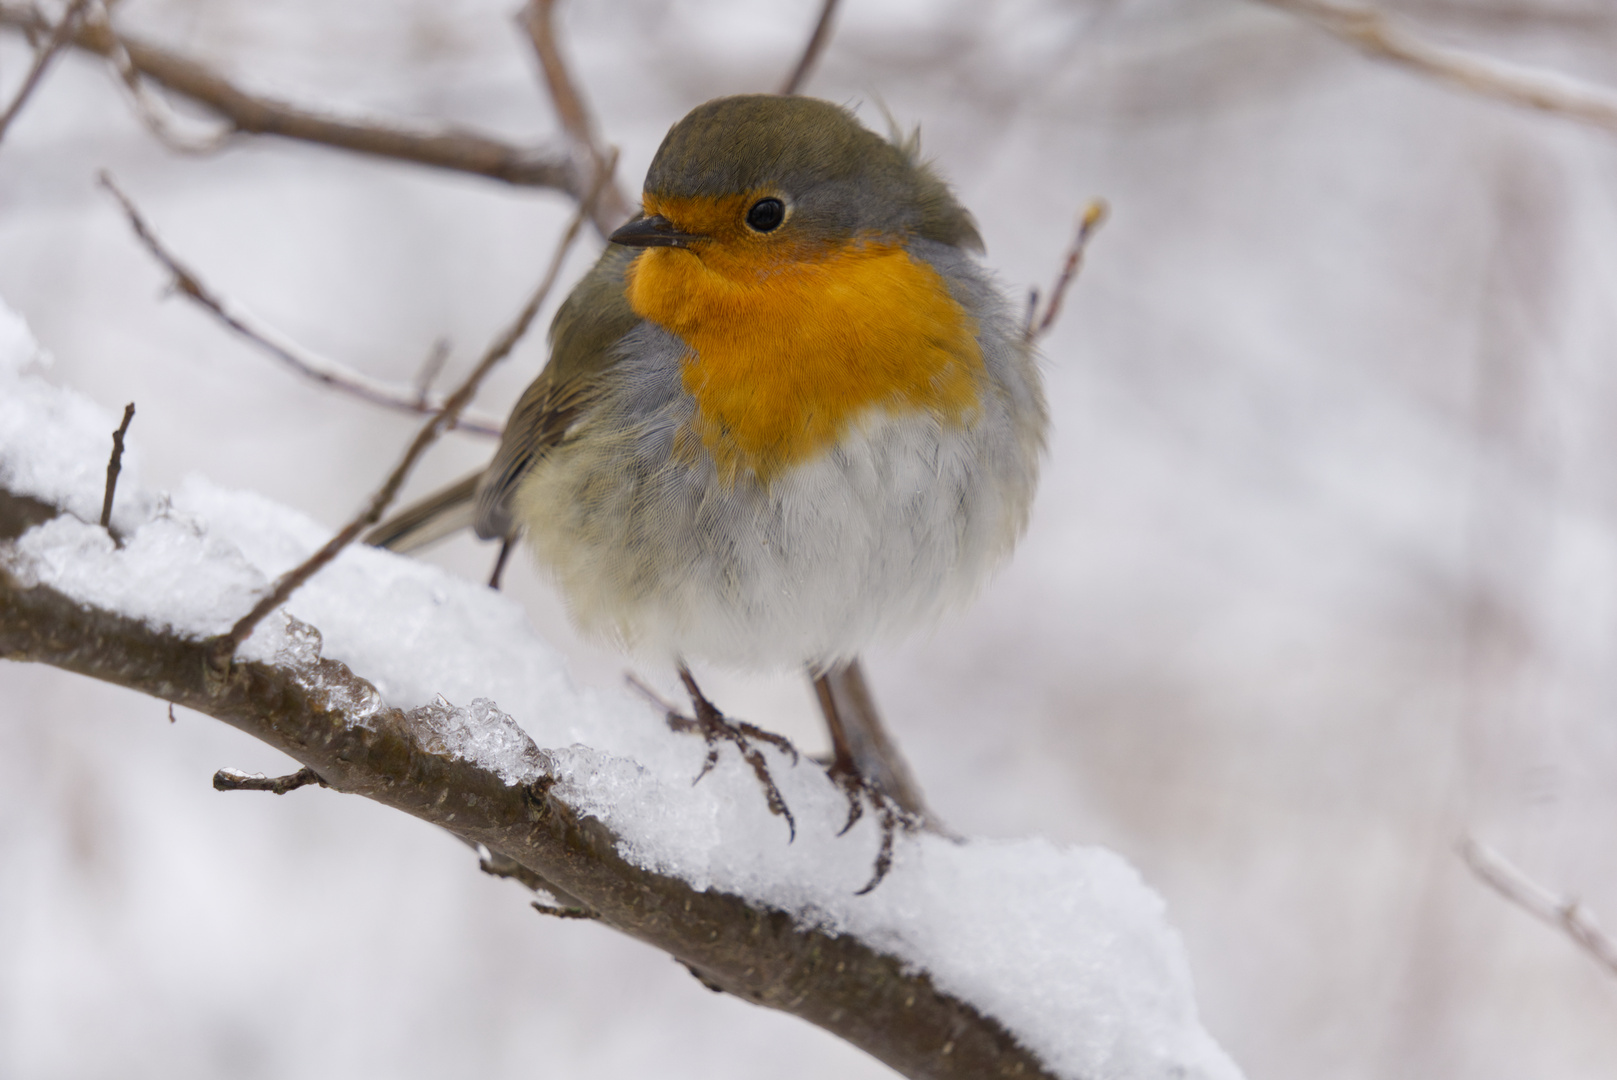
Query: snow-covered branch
{"points": [[972, 959], [325, 716]]}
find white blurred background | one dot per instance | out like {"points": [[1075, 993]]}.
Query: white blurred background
{"points": [[1322, 577]]}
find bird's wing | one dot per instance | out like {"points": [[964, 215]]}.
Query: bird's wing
{"points": [[593, 319]]}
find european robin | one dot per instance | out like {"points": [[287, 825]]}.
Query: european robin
{"points": [[787, 413]]}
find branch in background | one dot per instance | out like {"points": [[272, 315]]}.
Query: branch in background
{"points": [[1094, 217], [450, 148], [613, 208], [300, 706], [414, 400], [1564, 913], [817, 42], [1376, 35], [115, 465], [226, 645], [42, 60]]}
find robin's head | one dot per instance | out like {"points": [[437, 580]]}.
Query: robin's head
{"points": [[750, 181], [780, 245]]}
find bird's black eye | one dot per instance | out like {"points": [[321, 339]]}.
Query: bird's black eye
{"points": [[766, 215]]}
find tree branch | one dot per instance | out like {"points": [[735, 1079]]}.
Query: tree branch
{"points": [[236, 780], [293, 579], [1564, 913], [304, 708], [115, 463], [818, 39], [1094, 216], [452, 148], [42, 60], [613, 208], [415, 400], [1375, 34]]}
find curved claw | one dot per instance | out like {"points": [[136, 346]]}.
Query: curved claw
{"points": [[713, 726], [884, 857]]}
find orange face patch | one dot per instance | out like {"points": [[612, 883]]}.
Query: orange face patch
{"points": [[792, 337]]}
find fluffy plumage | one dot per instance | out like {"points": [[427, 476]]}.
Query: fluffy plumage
{"points": [[900, 412]]}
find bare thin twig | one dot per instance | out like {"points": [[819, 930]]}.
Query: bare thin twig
{"points": [[1563, 912], [42, 57], [431, 367], [236, 780], [1375, 34], [42, 60], [1093, 217], [148, 108], [613, 208], [446, 147], [338, 376], [817, 42], [225, 646], [115, 464]]}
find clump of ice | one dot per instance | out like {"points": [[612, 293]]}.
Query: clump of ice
{"points": [[479, 733], [1065, 946]]}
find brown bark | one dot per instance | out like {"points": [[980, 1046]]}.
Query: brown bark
{"points": [[730, 943]]}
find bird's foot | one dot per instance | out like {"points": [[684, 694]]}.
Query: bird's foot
{"points": [[717, 729], [890, 816]]}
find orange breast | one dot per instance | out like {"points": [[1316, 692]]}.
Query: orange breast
{"points": [[788, 345]]}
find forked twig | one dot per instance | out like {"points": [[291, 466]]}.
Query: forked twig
{"points": [[817, 42], [1375, 34], [115, 464], [338, 376], [1093, 217], [224, 647], [42, 60], [1563, 913], [613, 208]]}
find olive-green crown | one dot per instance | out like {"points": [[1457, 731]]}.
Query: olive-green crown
{"points": [[840, 177]]}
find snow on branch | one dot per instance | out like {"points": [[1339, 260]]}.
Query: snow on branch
{"points": [[381, 678]]}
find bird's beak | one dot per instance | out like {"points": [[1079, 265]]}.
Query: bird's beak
{"points": [[653, 231]]}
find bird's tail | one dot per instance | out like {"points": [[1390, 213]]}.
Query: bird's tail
{"points": [[429, 520]]}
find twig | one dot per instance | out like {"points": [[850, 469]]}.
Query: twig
{"points": [[811, 52], [1094, 216], [447, 147], [1565, 913], [115, 465], [430, 369], [42, 60], [150, 112], [336, 375], [640, 686], [1375, 34], [613, 208], [225, 646], [236, 780]]}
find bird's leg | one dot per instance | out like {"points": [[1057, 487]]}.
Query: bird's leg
{"points": [[714, 726], [499, 564], [864, 761]]}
